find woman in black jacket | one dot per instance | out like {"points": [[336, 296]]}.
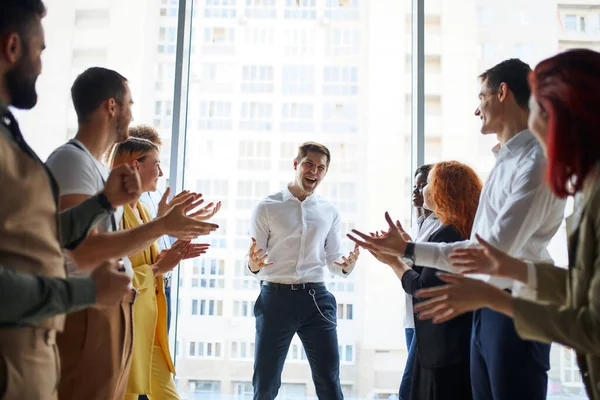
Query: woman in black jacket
{"points": [[441, 370]]}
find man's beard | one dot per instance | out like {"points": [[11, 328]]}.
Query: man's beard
{"points": [[122, 130], [20, 83]]}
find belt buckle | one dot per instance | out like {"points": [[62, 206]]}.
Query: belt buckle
{"points": [[298, 286], [167, 281]]}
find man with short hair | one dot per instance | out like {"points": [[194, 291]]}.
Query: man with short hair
{"points": [[100, 341], [518, 214], [300, 233], [31, 230]]}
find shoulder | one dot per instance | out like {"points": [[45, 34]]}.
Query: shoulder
{"points": [[446, 234], [273, 200], [68, 156]]}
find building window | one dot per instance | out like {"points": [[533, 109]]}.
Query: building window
{"points": [[346, 353], [484, 15], [241, 280], [257, 79], [487, 51], [337, 283], [340, 81], [242, 350], [300, 9], [345, 311], [296, 352], [205, 349], [219, 36], [218, 239], [243, 391], [340, 118], [214, 115], [214, 189], [297, 117], [342, 10], [242, 235], [216, 72], [250, 193], [523, 51], [298, 80], [574, 23], [346, 154], [259, 36], [342, 42], [299, 42], [205, 390], [219, 8], [208, 273], [292, 391], [205, 307], [569, 370], [243, 308], [254, 155], [261, 9], [256, 116]]}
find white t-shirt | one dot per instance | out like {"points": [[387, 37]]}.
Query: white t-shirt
{"points": [[78, 172]]}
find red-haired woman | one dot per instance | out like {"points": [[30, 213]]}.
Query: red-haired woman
{"points": [[565, 118], [441, 369]]}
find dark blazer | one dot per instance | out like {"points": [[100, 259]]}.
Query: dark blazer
{"points": [[439, 345]]}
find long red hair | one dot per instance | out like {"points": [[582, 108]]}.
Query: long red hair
{"points": [[567, 87], [455, 190]]}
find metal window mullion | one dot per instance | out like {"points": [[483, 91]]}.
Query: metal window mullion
{"points": [[179, 126]]}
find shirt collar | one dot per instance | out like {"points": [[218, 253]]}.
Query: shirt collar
{"points": [[514, 145], [287, 195]]}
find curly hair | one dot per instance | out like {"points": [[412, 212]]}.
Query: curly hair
{"points": [[455, 190]]}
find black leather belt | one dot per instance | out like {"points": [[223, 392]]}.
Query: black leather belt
{"points": [[293, 286]]}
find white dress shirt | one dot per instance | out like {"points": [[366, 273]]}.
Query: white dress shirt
{"points": [[300, 238], [427, 227], [517, 211]]}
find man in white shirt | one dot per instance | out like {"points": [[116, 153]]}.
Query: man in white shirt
{"points": [[96, 344], [426, 225], [518, 214], [300, 233]]}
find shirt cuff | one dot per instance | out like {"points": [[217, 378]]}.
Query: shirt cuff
{"points": [[83, 292], [526, 291], [426, 254]]}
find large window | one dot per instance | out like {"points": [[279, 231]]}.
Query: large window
{"points": [[265, 76]]}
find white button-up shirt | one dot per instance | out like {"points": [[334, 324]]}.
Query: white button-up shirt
{"points": [[300, 238], [427, 227], [517, 211]]}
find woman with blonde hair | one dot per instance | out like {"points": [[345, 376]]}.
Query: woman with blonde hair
{"points": [[441, 366], [152, 365]]}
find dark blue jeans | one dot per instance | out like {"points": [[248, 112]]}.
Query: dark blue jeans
{"points": [[280, 313], [504, 366], [405, 384]]}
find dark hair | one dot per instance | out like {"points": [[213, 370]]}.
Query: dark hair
{"points": [[425, 168], [17, 15], [314, 147], [145, 132], [514, 73], [93, 87], [567, 87]]}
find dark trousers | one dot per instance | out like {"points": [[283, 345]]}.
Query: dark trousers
{"points": [[280, 313], [504, 366], [405, 384]]}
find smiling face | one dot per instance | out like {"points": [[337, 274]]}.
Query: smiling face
{"points": [[417, 193], [310, 171], [490, 108], [149, 170]]}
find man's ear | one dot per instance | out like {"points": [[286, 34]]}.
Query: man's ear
{"points": [[502, 91], [295, 163], [12, 48]]}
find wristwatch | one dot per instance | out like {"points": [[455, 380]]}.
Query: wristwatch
{"points": [[409, 254]]}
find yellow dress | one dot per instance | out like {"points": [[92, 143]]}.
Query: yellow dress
{"points": [[151, 365]]}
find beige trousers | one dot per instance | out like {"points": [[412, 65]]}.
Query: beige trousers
{"points": [[29, 364]]}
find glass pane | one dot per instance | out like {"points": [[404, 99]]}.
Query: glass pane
{"points": [[532, 31], [334, 73]]}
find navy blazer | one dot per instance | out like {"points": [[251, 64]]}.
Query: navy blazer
{"points": [[439, 345]]}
